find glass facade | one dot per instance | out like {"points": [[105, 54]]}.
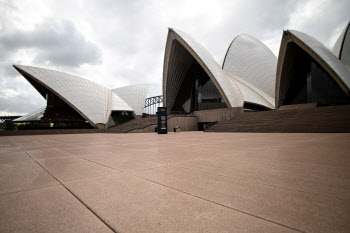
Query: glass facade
{"points": [[197, 92], [310, 83], [120, 117], [250, 107]]}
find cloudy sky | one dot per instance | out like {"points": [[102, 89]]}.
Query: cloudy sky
{"points": [[118, 42]]}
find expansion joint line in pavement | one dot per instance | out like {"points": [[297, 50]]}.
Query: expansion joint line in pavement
{"points": [[90, 209], [216, 174], [213, 202], [257, 182], [201, 198], [28, 189]]}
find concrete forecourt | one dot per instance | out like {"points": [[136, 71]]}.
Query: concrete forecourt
{"points": [[179, 182]]}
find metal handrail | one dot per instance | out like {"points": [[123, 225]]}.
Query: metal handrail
{"points": [[139, 125], [153, 121], [180, 114], [221, 119]]}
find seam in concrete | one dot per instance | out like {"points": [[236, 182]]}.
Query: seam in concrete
{"points": [[151, 168], [240, 211], [175, 165], [250, 181], [83, 203], [24, 190], [104, 174], [100, 164], [256, 182], [126, 171]]}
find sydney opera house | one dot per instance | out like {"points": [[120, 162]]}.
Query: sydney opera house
{"points": [[306, 74], [251, 77], [73, 99]]}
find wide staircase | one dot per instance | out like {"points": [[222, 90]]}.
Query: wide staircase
{"points": [[318, 119], [137, 123]]}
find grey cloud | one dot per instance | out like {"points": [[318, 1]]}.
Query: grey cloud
{"points": [[324, 24], [264, 20], [20, 104], [55, 42], [18, 96]]}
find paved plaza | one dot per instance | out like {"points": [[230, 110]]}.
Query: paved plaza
{"points": [[179, 182]]}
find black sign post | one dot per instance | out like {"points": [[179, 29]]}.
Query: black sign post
{"points": [[162, 120]]}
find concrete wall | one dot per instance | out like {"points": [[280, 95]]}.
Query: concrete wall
{"points": [[185, 123], [190, 123], [330, 119], [298, 106], [101, 126], [214, 114], [148, 129]]}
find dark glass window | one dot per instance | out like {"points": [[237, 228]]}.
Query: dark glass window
{"points": [[325, 91], [249, 107], [310, 83], [121, 117], [197, 92]]}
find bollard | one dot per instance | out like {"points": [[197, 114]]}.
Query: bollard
{"points": [[177, 127]]}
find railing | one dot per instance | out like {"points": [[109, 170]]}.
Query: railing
{"points": [[173, 114], [221, 119], [152, 103], [153, 121], [139, 125]]}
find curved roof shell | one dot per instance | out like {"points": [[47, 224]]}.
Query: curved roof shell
{"points": [[253, 61], [318, 52], [91, 100], [341, 48], [35, 115], [340, 41], [118, 104], [250, 93], [134, 96], [177, 62]]}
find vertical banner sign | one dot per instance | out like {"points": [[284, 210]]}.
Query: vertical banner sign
{"points": [[162, 120]]}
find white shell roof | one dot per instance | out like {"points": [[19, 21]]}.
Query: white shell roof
{"points": [[93, 101], [232, 87], [326, 56], [250, 93], [253, 61], [90, 99], [341, 48], [134, 96], [339, 42], [229, 91], [35, 115], [118, 104]]}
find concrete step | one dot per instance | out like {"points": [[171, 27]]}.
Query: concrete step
{"points": [[321, 119], [138, 122]]}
